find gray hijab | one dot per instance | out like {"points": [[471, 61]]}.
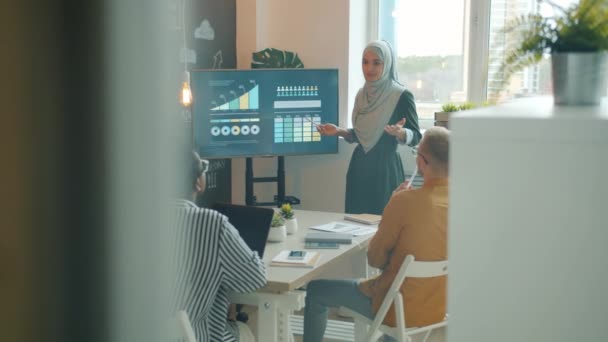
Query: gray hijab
{"points": [[376, 101]]}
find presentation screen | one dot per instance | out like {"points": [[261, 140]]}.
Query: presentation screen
{"points": [[263, 112]]}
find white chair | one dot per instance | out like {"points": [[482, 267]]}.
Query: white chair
{"points": [[184, 331], [409, 269], [245, 333]]}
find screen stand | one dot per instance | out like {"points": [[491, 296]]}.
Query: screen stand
{"points": [[280, 197]]}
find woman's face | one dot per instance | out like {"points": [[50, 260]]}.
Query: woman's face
{"points": [[372, 65]]}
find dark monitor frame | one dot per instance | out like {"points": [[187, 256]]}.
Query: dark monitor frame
{"points": [[325, 101]]}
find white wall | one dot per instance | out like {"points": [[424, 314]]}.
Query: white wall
{"points": [[325, 34], [245, 32]]}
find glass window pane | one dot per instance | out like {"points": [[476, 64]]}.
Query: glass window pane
{"points": [[429, 46], [531, 81]]}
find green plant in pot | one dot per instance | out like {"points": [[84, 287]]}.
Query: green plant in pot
{"points": [[275, 58], [443, 118], [577, 39], [277, 232], [467, 105], [291, 223], [277, 220], [450, 107]]}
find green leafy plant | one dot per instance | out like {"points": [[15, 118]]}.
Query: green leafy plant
{"points": [[277, 220], [488, 103], [287, 211], [274, 58], [581, 27], [450, 107], [467, 105]]}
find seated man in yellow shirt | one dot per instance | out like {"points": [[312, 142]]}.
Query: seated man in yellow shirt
{"points": [[413, 222]]}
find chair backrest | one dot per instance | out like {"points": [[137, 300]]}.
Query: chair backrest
{"points": [[409, 269], [184, 328]]}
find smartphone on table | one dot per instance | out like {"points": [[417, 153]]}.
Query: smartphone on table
{"points": [[296, 255]]}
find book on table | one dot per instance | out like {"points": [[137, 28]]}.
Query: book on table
{"points": [[283, 259], [363, 218], [321, 245], [328, 237]]}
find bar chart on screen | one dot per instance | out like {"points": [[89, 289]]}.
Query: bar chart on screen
{"points": [[296, 128], [236, 97]]}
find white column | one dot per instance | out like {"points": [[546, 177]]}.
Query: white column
{"points": [[528, 229]]}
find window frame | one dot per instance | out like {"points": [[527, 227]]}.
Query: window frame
{"points": [[476, 38]]}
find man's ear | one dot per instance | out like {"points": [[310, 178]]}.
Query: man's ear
{"points": [[421, 165], [201, 184]]}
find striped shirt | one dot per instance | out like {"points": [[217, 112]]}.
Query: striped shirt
{"points": [[211, 259]]}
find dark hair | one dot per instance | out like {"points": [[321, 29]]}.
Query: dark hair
{"points": [[191, 173], [196, 167]]}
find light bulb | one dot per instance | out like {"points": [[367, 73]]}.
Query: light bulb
{"points": [[186, 94]]}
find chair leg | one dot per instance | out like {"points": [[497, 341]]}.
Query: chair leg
{"points": [[361, 329], [426, 336], [376, 336]]}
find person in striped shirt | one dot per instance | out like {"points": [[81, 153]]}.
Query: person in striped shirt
{"points": [[210, 260]]}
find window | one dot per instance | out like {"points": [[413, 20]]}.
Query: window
{"points": [[433, 47], [534, 80], [429, 46]]}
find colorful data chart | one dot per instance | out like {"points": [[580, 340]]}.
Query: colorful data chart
{"points": [[296, 129], [283, 91], [249, 100], [235, 127]]}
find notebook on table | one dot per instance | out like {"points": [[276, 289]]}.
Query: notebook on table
{"points": [[252, 223]]}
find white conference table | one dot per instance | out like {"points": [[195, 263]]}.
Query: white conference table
{"points": [[280, 297]]}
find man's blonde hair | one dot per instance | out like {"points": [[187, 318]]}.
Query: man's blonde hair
{"points": [[437, 147]]}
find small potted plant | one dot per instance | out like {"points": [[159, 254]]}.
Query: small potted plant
{"points": [[442, 118], [466, 106], [289, 215], [576, 37], [278, 232]]}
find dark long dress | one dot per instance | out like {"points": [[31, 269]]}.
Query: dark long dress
{"points": [[373, 176]]}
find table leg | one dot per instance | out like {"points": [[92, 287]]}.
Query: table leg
{"points": [[267, 322], [360, 268], [273, 312]]}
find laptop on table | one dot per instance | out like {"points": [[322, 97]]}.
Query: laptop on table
{"points": [[252, 223]]}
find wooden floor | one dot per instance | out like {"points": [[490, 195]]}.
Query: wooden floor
{"points": [[437, 335]]}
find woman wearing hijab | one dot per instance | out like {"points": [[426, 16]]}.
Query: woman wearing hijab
{"points": [[384, 115]]}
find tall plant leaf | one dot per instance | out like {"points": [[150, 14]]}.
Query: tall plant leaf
{"points": [[274, 58]]}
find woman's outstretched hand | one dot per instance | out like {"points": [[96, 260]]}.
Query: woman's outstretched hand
{"points": [[327, 129], [396, 130]]}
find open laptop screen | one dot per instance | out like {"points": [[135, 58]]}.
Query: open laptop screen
{"points": [[252, 223]]}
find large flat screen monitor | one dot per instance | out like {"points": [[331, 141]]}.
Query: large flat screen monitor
{"points": [[263, 112]]}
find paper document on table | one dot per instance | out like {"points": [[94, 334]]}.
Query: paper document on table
{"points": [[341, 227], [363, 218]]}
